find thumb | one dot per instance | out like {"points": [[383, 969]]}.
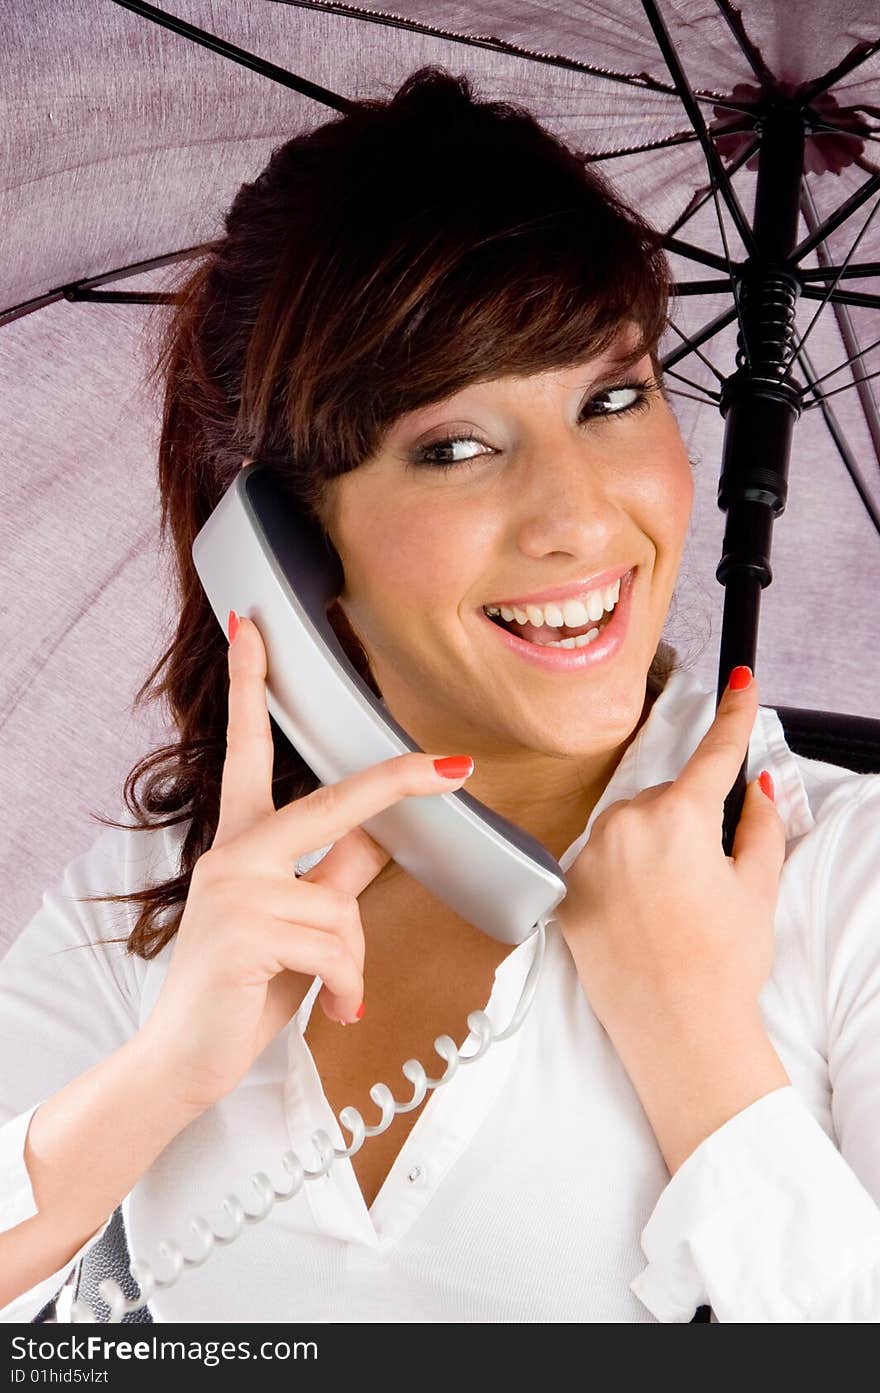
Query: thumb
{"points": [[759, 841]]}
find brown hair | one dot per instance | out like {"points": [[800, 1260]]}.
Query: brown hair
{"points": [[381, 261]]}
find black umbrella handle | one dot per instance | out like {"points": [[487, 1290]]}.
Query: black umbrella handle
{"points": [[733, 804]]}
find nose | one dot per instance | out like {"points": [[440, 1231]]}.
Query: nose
{"points": [[567, 499]]}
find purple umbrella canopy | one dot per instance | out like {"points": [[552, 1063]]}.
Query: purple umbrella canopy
{"points": [[126, 132]]}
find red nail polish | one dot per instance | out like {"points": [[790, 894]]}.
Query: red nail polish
{"points": [[740, 678], [766, 781], [360, 1011], [232, 625], [454, 766]]}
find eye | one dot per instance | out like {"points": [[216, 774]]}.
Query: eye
{"points": [[447, 453], [635, 396]]}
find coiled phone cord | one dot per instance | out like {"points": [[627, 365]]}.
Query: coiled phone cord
{"points": [[142, 1273]]}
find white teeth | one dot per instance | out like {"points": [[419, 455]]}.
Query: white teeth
{"points": [[586, 609], [576, 613], [579, 641], [596, 606]]}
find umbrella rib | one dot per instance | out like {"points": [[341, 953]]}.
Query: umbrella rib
{"points": [[699, 254], [709, 364], [833, 221], [123, 297], [643, 81], [824, 301], [708, 331], [823, 396], [845, 364], [740, 160], [698, 386], [702, 287], [843, 297], [822, 128], [733, 284], [857, 55], [863, 394], [840, 441], [750, 52], [681, 139], [817, 273], [237, 55], [67, 292], [688, 101], [675, 392]]}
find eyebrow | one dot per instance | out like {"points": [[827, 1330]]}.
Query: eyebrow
{"points": [[621, 362]]}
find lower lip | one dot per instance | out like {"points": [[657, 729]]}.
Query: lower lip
{"points": [[608, 643]]}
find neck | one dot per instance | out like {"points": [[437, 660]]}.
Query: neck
{"points": [[551, 800]]}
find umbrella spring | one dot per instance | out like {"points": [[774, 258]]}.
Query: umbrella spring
{"points": [[766, 340]]}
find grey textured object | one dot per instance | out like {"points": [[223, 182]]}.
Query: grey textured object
{"points": [[109, 1257]]}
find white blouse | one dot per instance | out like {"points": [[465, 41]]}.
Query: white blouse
{"points": [[531, 1187]]}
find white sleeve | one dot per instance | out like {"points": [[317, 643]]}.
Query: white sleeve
{"points": [[63, 1007], [768, 1220]]}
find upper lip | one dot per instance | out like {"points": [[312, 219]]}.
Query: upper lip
{"points": [[564, 592]]}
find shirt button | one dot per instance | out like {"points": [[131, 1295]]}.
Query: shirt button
{"points": [[414, 1175]]}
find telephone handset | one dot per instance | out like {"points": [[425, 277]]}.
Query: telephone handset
{"points": [[258, 555]]}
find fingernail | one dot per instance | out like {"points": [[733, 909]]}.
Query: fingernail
{"points": [[739, 678], [766, 781], [357, 1016], [232, 625], [454, 766]]}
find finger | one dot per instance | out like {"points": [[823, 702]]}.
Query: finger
{"points": [[246, 786], [310, 906], [330, 812], [759, 843], [711, 771], [350, 864], [317, 952], [307, 905]]}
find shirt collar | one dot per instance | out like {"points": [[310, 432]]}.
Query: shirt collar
{"points": [[679, 718]]}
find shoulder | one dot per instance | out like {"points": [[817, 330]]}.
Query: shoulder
{"points": [[117, 861]]}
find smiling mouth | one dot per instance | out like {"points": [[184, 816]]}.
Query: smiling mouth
{"points": [[555, 636], [559, 635]]}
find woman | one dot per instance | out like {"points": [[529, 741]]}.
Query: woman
{"points": [[423, 317]]}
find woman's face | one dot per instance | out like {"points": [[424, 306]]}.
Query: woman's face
{"points": [[545, 493]]}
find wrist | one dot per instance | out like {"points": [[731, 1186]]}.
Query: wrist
{"points": [[692, 1077], [157, 1077]]}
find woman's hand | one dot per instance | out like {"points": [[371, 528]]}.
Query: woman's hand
{"points": [[253, 934], [673, 940]]}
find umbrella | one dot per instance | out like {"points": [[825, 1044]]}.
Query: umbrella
{"points": [[128, 130], [749, 140]]}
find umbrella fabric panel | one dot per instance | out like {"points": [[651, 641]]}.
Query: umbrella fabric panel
{"points": [[123, 140], [85, 609], [156, 127]]}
